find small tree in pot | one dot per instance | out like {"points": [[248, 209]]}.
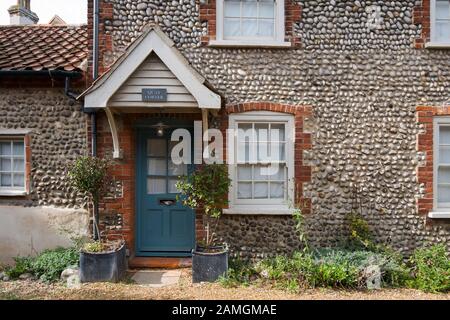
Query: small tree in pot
{"points": [[207, 188], [101, 259]]}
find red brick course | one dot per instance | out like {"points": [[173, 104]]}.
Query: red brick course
{"points": [[421, 16]]}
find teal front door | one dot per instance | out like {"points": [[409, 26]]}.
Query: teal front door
{"points": [[164, 226]]}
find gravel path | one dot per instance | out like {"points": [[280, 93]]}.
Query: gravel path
{"points": [[186, 290]]}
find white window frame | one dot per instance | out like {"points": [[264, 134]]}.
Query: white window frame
{"points": [[16, 191], [439, 210], [261, 206], [434, 43], [276, 41]]}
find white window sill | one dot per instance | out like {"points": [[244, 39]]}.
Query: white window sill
{"points": [[12, 193], [259, 210], [437, 45], [248, 43], [439, 215]]}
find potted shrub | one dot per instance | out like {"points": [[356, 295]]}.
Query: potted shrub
{"points": [[207, 188], [103, 258]]}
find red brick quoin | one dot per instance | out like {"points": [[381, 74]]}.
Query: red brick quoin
{"points": [[421, 16], [302, 140], [292, 15], [425, 115]]}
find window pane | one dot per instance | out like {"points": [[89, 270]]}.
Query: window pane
{"points": [[177, 170], [442, 9], [5, 180], [5, 165], [277, 190], [264, 154], [232, 9], [244, 190], [18, 148], [443, 30], [156, 185], [157, 147], [5, 148], [157, 167], [249, 27], [231, 27], [249, 8], [19, 180], [266, 28], [243, 155], [444, 175], [172, 185], [244, 173], [262, 131], [267, 9], [261, 190], [261, 173], [277, 132], [444, 154], [19, 165], [278, 172], [245, 132], [443, 193]]}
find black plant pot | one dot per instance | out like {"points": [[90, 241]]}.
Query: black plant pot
{"points": [[103, 267], [209, 266]]}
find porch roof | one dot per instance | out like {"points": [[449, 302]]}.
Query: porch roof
{"points": [[152, 41]]}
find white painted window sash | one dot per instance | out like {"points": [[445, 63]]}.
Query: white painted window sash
{"points": [[434, 41], [277, 40], [437, 124], [13, 190], [254, 205]]}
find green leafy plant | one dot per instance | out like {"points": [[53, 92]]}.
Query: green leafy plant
{"points": [[206, 188], [90, 175], [50, 263], [47, 266], [22, 265], [93, 247], [335, 268], [431, 267], [240, 273]]}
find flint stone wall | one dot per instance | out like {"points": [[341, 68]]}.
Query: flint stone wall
{"points": [[58, 136], [363, 86]]}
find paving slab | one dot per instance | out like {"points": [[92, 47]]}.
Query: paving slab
{"points": [[156, 279]]}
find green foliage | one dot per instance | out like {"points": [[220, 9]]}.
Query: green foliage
{"points": [[206, 188], [22, 265], [335, 268], [299, 225], [359, 232], [93, 247], [431, 269], [47, 266], [89, 175], [240, 273]]}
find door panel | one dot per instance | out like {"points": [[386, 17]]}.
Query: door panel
{"points": [[165, 227]]}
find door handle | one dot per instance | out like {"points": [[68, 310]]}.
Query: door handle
{"points": [[167, 202]]}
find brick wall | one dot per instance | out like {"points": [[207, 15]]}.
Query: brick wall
{"points": [[421, 17]]}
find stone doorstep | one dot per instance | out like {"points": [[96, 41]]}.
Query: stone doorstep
{"points": [[159, 263], [156, 279]]}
